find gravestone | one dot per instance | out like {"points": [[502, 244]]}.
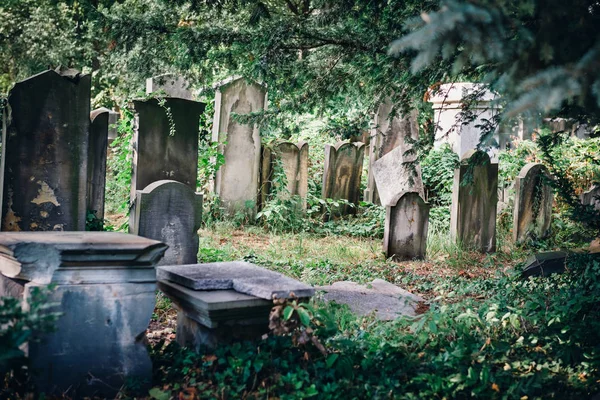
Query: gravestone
{"points": [[294, 161], [463, 131], [592, 197], [237, 181], [395, 175], [105, 291], [170, 212], [165, 144], [96, 166], [170, 85], [406, 225], [45, 146], [389, 132], [474, 201], [342, 172], [532, 216]]}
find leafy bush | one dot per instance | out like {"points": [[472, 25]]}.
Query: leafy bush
{"points": [[437, 170]]}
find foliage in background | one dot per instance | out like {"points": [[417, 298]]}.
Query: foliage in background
{"points": [[437, 170]]}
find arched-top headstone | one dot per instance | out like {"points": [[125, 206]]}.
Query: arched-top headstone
{"points": [[237, 181], [532, 216], [342, 172], [406, 225], [45, 146], [474, 201], [294, 160], [170, 212], [96, 166]]}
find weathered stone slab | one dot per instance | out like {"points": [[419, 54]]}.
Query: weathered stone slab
{"points": [[105, 293], [474, 202], [461, 130], [45, 147], [406, 224], [240, 276], [532, 216], [342, 172], [96, 166], [170, 212], [390, 131], [388, 301], [394, 175], [591, 197], [545, 264], [237, 181], [294, 160], [170, 85]]}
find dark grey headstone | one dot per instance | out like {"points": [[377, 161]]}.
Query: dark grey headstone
{"points": [[45, 149], [532, 216], [544, 264], [240, 276], [170, 212], [96, 167], [159, 152]]}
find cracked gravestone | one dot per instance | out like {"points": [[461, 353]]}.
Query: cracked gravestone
{"points": [[386, 300]]}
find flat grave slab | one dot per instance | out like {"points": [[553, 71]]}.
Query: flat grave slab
{"points": [[388, 301], [243, 277]]}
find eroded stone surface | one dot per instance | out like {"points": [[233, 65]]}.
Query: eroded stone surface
{"points": [[394, 176], [474, 203], [45, 148], [237, 180], [342, 172], [240, 276], [532, 216], [388, 301], [406, 224], [170, 85], [170, 212]]}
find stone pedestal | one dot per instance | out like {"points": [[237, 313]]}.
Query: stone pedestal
{"points": [[224, 302], [462, 130], [105, 291]]}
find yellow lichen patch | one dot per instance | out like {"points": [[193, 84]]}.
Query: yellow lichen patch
{"points": [[45, 195], [44, 214], [33, 226], [58, 227], [11, 222]]}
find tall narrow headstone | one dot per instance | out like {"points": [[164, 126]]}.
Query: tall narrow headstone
{"points": [[170, 212], [406, 225], [462, 130], [592, 197], [390, 131], [341, 176], [165, 143], [96, 166], [237, 181], [45, 146], [474, 201], [294, 162], [533, 203]]}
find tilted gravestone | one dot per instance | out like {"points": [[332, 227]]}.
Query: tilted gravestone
{"points": [[591, 197], [474, 201], [389, 132], [45, 147], [165, 143], [170, 212], [406, 225], [105, 291], [342, 172], [533, 203], [96, 166], [237, 181], [294, 163]]}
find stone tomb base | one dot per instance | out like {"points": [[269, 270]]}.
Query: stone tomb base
{"points": [[208, 318]]}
